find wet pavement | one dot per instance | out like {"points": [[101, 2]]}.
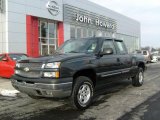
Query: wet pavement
{"points": [[119, 101], [149, 110]]}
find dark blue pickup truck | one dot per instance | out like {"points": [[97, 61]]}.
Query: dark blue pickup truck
{"points": [[77, 69]]}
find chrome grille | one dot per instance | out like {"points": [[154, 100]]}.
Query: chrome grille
{"points": [[31, 74], [31, 65], [34, 70]]}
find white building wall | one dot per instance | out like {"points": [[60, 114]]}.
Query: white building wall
{"points": [[67, 32], [13, 22], [3, 31]]}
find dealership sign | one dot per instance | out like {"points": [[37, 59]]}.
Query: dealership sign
{"points": [[97, 21], [53, 7]]}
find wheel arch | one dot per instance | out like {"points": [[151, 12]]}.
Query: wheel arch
{"points": [[89, 72], [142, 65]]}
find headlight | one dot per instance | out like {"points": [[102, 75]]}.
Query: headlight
{"points": [[54, 65], [51, 74]]}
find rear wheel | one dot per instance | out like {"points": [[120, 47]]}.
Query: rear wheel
{"points": [[138, 79], [82, 93]]}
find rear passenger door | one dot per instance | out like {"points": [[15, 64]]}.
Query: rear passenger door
{"points": [[124, 58]]}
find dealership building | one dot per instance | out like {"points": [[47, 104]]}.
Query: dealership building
{"points": [[38, 27]]}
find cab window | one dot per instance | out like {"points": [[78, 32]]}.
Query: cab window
{"points": [[109, 44]]}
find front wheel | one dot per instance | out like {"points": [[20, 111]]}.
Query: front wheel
{"points": [[138, 79], [82, 93]]}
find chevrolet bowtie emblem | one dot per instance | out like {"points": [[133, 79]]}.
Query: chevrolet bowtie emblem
{"points": [[26, 69]]}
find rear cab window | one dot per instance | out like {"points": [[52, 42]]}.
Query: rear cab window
{"points": [[121, 48]]}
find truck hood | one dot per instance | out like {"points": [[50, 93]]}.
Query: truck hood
{"points": [[56, 58]]}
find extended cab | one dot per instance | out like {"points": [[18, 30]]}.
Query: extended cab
{"points": [[78, 69]]}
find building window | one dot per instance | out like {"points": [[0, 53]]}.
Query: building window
{"points": [[90, 33], [73, 32], [84, 32], [98, 33], [47, 37], [131, 42], [79, 33]]}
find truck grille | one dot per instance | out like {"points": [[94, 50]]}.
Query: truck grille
{"points": [[31, 65], [29, 70]]}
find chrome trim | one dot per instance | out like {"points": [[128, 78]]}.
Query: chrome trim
{"points": [[114, 72], [53, 84], [111, 74], [43, 65]]}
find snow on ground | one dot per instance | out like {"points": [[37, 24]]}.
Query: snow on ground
{"points": [[8, 93]]}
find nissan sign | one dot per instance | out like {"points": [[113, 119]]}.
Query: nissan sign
{"points": [[53, 7]]}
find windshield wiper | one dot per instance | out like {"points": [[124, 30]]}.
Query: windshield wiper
{"points": [[73, 52]]}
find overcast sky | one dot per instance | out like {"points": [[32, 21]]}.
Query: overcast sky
{"points": [[147, 12]]}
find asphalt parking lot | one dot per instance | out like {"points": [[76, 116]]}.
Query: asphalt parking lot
{"points": [[119, 101]]}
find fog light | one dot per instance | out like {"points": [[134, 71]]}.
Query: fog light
{"points": [[51, 74]]}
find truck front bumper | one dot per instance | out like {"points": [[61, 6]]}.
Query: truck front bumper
{"points": [[51, 90]]}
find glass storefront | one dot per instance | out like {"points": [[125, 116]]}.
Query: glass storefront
{"points": [[82, 32], [131, 42], [47, 37]]}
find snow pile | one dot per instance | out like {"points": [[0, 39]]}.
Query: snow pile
{"points": [[9, 93]]}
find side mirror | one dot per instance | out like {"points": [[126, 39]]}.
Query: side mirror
{"points": [[5, 59], [107, 51]]}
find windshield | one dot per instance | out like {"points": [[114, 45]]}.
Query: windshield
{"points": [[78, 46], [17, 56]]}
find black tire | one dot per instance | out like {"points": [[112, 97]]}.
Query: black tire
{"points": [[79, 95], [138, 79]]}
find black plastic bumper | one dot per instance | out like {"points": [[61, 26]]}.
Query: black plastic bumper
{"points": [[56, 88]]}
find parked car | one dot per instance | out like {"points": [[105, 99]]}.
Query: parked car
{"points": [[147, 56], [156, 55], [78, 69], [8, 62], [154, 59]]}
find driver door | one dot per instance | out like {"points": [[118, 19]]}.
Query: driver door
{"points": [[109, 65]]}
